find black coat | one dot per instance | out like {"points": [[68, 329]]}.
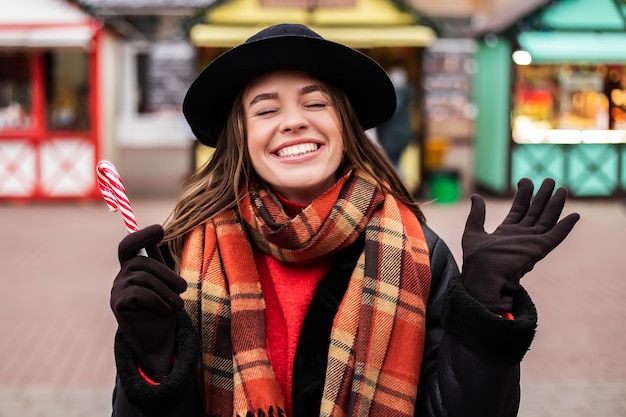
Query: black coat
{"points": [[470, 365]]}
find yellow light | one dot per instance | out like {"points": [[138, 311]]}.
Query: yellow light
{"points": [[521, 57]]}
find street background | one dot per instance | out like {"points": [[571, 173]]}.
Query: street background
{"points": [[57, 328]]}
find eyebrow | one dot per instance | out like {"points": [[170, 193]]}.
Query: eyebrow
{"points": [[273, 96], [261, 97]]}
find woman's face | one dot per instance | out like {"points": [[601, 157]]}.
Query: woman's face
{"points": [[294, 135]]}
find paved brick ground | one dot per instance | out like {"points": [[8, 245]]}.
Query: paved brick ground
{"points": [[59, 261]]}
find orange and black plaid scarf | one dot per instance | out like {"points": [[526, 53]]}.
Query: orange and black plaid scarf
{"points": [[377, 339]]}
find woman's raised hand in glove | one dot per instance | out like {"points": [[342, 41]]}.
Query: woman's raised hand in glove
{"points": [[494, 263], [145, 299]]}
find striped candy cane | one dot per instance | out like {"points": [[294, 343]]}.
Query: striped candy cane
{"points": [[114, 194]]}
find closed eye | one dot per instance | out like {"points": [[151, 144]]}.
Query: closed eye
{"points": [[264, 112], [316, 104]]}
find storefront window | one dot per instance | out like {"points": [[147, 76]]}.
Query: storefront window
{"points": [[67, 104], [15, 91], [569, 104], [448, 69]]}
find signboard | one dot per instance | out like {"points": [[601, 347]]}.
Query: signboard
{"points": [[171, 69]]}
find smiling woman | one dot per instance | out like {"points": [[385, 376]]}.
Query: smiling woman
{"points": [[294, 137], [307, 268]]}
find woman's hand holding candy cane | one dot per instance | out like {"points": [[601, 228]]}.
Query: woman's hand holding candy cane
{"points": [[145, 296], [114, 194]]}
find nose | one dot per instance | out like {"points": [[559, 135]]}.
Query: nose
{"points": [[293, 120]]}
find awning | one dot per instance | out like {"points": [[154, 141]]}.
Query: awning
{"points": [[205, 35], [46, 37], [40, 12], [45, 23], [588, 47]]}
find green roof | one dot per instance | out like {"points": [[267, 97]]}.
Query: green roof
{"points": [[585, 15]]}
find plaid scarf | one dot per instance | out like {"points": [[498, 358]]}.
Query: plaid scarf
{"points": [[377, 338]]}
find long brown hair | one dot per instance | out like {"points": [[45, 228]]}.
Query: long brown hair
{"points": [[227, 176]]}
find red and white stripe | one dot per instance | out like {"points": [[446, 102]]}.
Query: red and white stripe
{"points": [[114, 193]]}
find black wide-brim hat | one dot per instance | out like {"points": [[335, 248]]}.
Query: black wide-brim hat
{"points": [[212, 94]]}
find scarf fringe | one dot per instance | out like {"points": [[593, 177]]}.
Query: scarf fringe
{"points": [[272, 412]]}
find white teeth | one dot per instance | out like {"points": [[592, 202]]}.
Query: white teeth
{"points": [[297, 150]]}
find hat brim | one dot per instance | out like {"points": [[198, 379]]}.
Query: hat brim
{"points": [[212, 94]]}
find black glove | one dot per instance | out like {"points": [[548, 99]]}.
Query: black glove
{"points": [[494, 263], [145, 300]]}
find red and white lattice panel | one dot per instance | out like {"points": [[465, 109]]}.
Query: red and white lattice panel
{"points": [[67, 167], [54, 168], [18, 168]]}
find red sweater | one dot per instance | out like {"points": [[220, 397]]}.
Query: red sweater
{"points": [[287, 289]]}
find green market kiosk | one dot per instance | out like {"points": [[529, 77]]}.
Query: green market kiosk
{"points": [[551, 94]]}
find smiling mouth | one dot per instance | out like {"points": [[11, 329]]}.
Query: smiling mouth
{"points": [[297, 150]]}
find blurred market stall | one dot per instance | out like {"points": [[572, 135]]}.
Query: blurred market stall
{"points": [[53, 100]]}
